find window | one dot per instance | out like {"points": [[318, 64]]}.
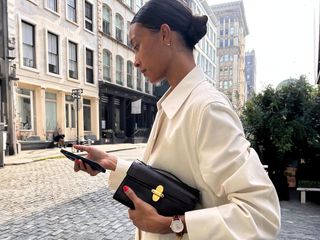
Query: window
{"points": [[86, 115], [146, 86], [119, 27], [106, 21], [119, 70], [73, 60], [139, 79], [72, 10], [221, 43], [53, 53], [88, 16], [70, 113], [25, 109], [52, 4], [51, 111], [231, 42], [89, 66], [139, 4], [106, 65], [130, 4], [231, 31], [28, 45], [129, 73], [128, 38], [226, 43]]}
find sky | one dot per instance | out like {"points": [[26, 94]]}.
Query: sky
{"points": [[282, 33]]}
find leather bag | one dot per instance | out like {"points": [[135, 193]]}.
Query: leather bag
{"points": [[161, 189]]}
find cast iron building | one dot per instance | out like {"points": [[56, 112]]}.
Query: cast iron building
{"points": [[250, 73], [120, 83], [232, 31]]}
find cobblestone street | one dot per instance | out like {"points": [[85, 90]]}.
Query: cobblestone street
{"points": [[48, 200]]}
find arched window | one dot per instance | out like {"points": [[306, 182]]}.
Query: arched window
{"points": [[119, 27], [106, 65], [139, 80], [129, 73], [106, 19], [119, 70]]}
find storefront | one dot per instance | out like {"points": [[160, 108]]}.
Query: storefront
{"points": [[117, 122]]}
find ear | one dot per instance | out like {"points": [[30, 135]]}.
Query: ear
{"points": [[166, 34]]}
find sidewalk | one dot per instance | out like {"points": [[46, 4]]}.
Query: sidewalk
{"points": [[28, 156]]}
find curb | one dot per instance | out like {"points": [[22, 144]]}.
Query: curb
{"points": [[60, 155]]}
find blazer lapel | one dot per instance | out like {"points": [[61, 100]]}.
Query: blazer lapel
{"points": [[153, 136]]}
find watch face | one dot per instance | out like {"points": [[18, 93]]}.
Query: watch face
{"points": [[177, 226]]}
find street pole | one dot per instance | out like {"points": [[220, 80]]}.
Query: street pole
{"points": [[76, 95]]}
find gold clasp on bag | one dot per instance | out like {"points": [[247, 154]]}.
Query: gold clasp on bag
{"points": [[157, 193]]}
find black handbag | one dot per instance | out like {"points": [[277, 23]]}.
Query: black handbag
{"points": [[161, 189]]}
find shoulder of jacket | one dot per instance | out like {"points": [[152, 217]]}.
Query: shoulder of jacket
{"points": [[206, 94]]}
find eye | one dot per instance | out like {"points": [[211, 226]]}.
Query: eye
{"points": [[136, 47]]}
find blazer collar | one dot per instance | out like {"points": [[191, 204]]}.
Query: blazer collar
{"points": [[172, 100]]}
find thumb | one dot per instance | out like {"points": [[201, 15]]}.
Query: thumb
{"points": [[131, 195]]}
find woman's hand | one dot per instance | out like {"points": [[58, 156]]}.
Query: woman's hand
{"points": [[145, 217], [107, 161]]}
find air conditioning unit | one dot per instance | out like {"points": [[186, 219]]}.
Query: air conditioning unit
{"points": [[53, 68], [73, 74]]}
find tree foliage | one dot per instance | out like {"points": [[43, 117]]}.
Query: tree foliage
{"points": [[283, 124]]}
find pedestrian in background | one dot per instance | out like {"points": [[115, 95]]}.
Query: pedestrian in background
{"points": [[196, 135]]}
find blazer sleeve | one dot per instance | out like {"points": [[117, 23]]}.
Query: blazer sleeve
{"points": [[247, 205], [117, 176]]}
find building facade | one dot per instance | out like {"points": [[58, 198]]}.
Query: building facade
{"points": [[120, 83], [56, 54], [250, 73], [232, 30], [205, 52]]}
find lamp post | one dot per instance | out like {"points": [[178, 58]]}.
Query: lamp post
{"points": [[76, 95]]}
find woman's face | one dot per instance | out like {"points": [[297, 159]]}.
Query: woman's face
{"points": [[152, 55]]}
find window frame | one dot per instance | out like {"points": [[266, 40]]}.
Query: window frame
{"points": [[106, 22], [34, 42], [57, 54], [86, 19], [104, 66], [119, 31], [89, 66], [69, 59], [75, 11], [119, 73], [30, 96]]}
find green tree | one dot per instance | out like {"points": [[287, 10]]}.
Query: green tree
{"points": [[283, 124]]}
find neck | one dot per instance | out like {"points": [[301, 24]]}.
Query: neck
{"points": [[181, 65]]}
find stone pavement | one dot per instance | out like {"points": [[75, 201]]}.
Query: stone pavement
{"points": [[46, 199]]}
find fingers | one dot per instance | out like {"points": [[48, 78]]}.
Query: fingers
{"points": [[131, 195], [80, 165], [82, 147]]}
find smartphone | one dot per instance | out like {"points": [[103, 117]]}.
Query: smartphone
{"points": [[94, 165]]}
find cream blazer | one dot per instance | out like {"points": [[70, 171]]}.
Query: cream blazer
{"points": [[199, 138]]}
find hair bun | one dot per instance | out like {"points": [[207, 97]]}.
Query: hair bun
{"points": [[197, 29]]}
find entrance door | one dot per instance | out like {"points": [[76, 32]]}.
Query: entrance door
{"points": [[71, 132]]}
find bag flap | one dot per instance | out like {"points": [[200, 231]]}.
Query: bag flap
{"points": [[172, 187]]}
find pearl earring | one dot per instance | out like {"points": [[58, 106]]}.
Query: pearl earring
{"points": [[168, 44]]}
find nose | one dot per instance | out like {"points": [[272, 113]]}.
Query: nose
{"points": [[136, 62]]}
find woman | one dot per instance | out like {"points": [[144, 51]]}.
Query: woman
{"points": [[196, 136]]}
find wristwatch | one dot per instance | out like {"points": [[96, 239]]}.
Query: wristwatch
{"points": [[177, 225]]}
